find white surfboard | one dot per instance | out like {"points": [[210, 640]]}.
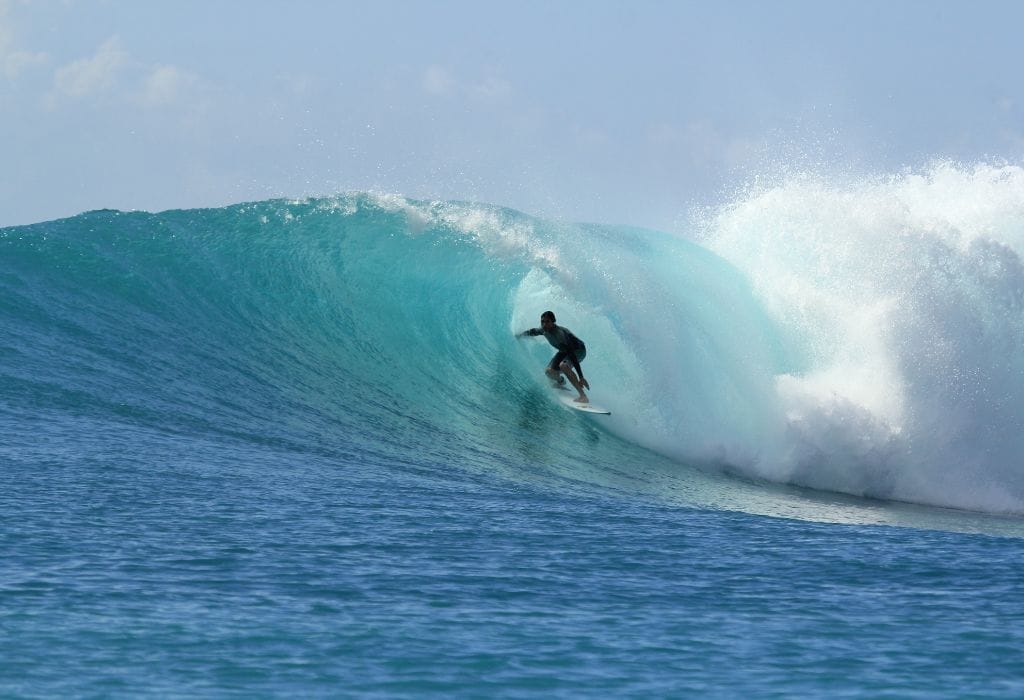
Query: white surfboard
{"points": [[567, 398]]}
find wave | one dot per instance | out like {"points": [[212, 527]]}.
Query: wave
{"points": [[861, 338]]}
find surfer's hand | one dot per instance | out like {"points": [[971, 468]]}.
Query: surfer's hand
{"points": [[584, 383]]}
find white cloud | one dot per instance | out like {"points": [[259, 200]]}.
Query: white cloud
{"points": [[493, 89], [114, 73], [13, 62], [94, 75], [6, 32], [166, 85], [590, 136], [17, 62], [437, 81], [702, 142]]}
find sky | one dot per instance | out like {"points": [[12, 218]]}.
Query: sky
{"points": [[631, 112]]}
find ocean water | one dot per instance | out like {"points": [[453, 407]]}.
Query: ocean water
{"points": [[293, 448]]}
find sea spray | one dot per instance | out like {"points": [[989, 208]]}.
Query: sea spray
{"points": [[906, 294]]}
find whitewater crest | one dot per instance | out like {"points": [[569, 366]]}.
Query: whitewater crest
{"points": [[906, 297]]}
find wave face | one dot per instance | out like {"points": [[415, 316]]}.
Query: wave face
{"points": [[862, 339]]}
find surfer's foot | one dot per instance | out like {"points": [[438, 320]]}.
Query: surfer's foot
{"points": [[581, 399]]}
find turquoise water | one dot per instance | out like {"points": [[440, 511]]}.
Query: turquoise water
{"points": [[293, 448]]}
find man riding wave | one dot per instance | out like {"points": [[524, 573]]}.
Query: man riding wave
{"points": [[571, 352]]}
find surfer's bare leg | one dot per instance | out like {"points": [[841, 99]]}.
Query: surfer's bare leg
{"points": [[567, 370]]}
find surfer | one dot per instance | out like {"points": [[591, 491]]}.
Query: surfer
{"points": [[571, 352]]}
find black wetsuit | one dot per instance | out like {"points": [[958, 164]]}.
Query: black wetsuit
{"points": [[567, 345]]}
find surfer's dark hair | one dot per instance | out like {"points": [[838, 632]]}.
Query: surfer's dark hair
{"points": [[548, 314]]}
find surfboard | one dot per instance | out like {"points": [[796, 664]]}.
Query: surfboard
{"points": [[565, 396]]}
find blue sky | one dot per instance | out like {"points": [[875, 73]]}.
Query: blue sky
{"points": [[617, 112]]}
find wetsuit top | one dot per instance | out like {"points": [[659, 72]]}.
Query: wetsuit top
{"points": [[567, 344]]}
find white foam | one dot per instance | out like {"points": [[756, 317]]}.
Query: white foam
{"points": [[907, 295]]}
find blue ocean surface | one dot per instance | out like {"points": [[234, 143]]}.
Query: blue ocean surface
{"points": [[294, 448]]}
